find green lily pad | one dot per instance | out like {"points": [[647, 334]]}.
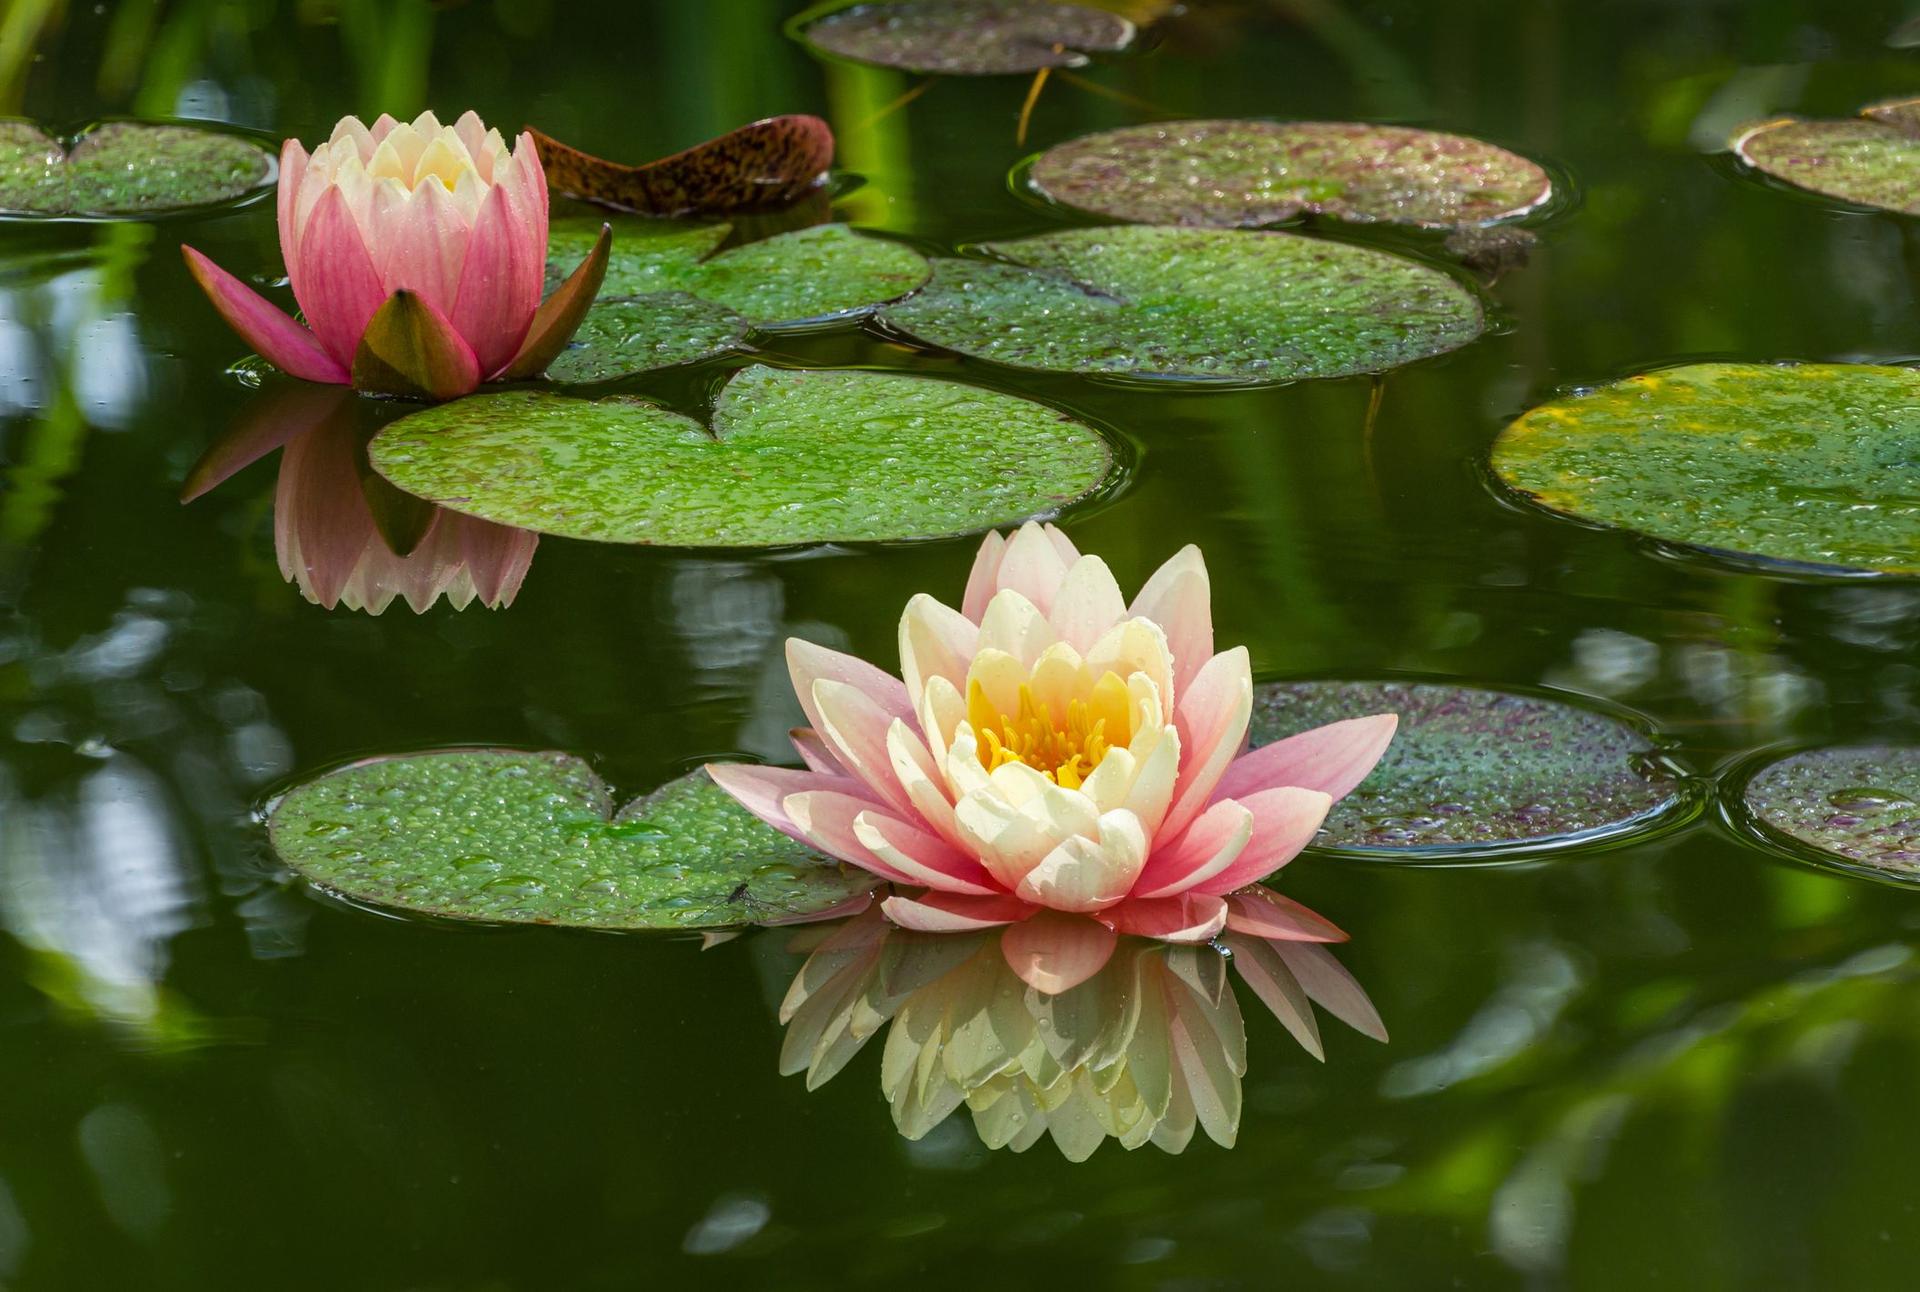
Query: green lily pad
{"points": [[669, 298], [1856, 808], [527, 838], [969, 37], [1196, 304], [1871, 160], [793, 457], [125, 168], [1812, 465], [1228, 174], [1473, 771]]}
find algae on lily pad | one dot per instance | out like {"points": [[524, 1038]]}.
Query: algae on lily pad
{"points": [[1855, 807], [672, 296], [1473, 770], [1870, 160], [969, 37], [1810, 464], [1195, 304], [530, 838], [1228, 174], [125, 169], [793, 457]]}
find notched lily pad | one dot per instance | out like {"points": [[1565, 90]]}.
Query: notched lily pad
{"points": [[1812, 465], [970, 37], [527, 838], [1228, 174], [1193, 304], [1870, 160], [126, 169], [759, 166], [1857, 807], [1474, 771], [711, 297], [793, 457]]}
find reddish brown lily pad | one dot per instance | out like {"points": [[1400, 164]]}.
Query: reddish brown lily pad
{"points": [[766, 164], [1870, 160], [970, 37]]}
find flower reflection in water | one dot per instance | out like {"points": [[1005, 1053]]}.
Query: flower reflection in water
{"points": [[1054, 1026], [343, 535]]}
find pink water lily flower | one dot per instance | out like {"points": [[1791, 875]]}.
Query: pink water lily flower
{"points": [[1050, 747], [417, 253]]}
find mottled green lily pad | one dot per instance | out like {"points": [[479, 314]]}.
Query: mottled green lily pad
{"points": [[1856, 807], [1811, 465], [793, 457], [1229, 174], [1871, 160], [970, 37], [671, 296], [1473, 771], [125, 168], [527, 838], [1194, 304]]}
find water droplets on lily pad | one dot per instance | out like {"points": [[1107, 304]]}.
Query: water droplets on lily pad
{"points": [[125, 169], [1809, 465], [1474, 771], [1855, 808], [1190, 304], [1228, 174], [1871, 160], [526, 838], [793, 457], [969, 37]]}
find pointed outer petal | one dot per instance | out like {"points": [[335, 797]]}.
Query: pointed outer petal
{"points": [[472, 134], [935, 640], [806, 663], [926, 861], [914, 768], [1015, 626], [558, 317], [840, 911], [1284, 821], [293, 169], [955, 913], [1262, 969], [1190, 917], [1032, 566], [525, 180], [492, 308], [425, 247], [1259, 912], [496, 556], [1053, 954], [1333, 759], [1083, 874], [1088, 604], [825, 818], [410, 349], [1202, 851], [983, 580], [282, 342], [1061, 543], [813, 751], [1179, 598], [336, 285], [1332, 988], [321, 524], [263, 426], [1212, 721], [856, 730], [761, 790]]}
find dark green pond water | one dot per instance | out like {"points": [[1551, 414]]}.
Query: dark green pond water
{"points": [[1679, 1063]]}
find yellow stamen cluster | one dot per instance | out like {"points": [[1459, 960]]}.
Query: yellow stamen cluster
{"points": [[1065, 746]]}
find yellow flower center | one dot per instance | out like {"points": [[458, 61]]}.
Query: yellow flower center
{"points": [[1064, 742]]}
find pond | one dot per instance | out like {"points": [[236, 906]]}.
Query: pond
{"points": [[1651, 1001]]}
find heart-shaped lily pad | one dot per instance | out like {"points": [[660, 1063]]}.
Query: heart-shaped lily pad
{"points": [[1857, 808], [1473, 771], [125, 168], [1197, 304], [1872, 160], [793, 457], [671, 296], [765, 164], [526, 838], [1811, 464], [969, 37], [1229, 174]]}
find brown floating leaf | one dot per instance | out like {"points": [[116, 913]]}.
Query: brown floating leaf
{"points": [[409, 348], [766, 164]]}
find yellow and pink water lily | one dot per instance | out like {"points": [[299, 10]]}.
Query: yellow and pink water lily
{"points": [[1050, 746], [417, 253]]}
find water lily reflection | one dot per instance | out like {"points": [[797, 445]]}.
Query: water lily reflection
{"points": [[343, 535], [1055, 1026]]}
